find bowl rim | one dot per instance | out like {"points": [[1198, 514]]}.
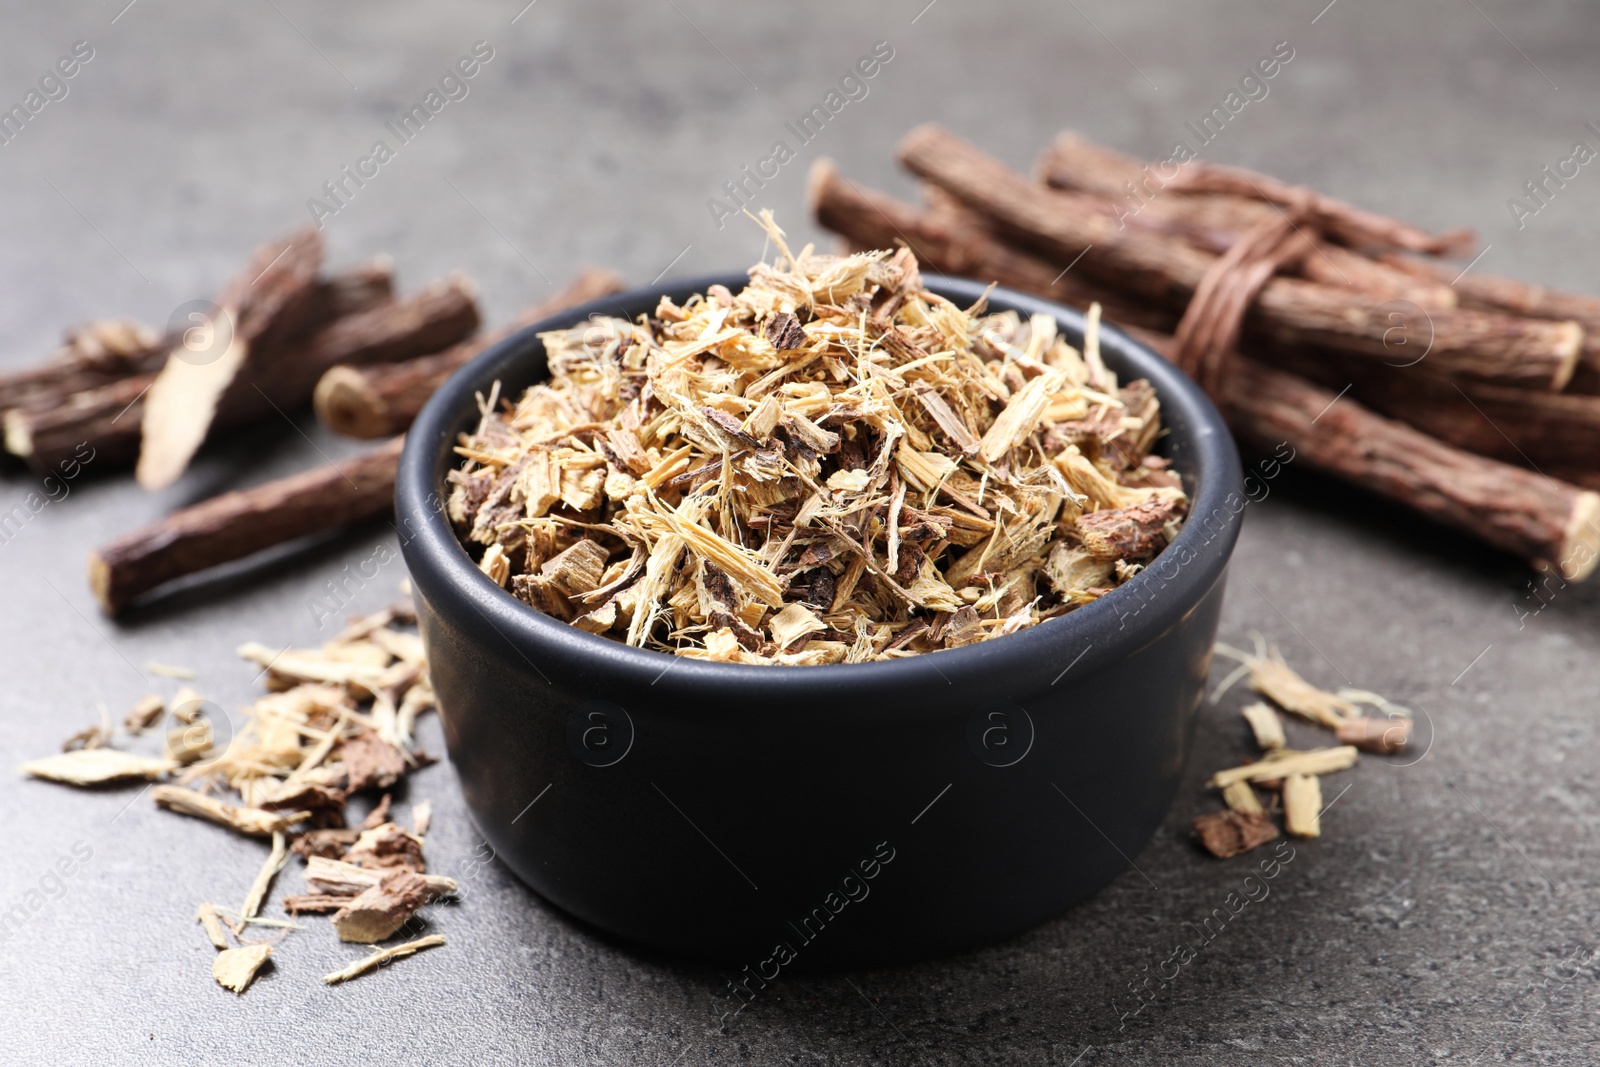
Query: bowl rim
{"points": [[448, 581]]}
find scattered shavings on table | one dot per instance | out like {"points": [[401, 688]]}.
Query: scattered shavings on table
{"points": [[337, 721], [832, 465], [1291, 778]]}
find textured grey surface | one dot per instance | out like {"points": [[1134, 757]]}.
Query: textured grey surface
{"points": [[1446, 917]]}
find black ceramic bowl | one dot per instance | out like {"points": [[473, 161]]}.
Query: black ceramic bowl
{"points": [[800, 816]]}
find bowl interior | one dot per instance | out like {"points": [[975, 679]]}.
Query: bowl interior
{"points": [[1196, 441]]}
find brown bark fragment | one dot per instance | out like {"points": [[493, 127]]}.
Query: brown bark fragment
{"points": [[372, 763], [380, 911], [1131, 533], [1374, 734], [1225, 834]]}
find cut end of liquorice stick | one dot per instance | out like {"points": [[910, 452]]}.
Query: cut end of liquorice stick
{"points": [[1580, 545]]}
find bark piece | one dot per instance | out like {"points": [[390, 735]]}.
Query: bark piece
{"points": [[372, 762], [381, 957], [385, 847], [331, 843], [255, 822], [1487, 346], [376, 400], [329, 877], [145, 714], [314, 903], [97, 766], [378, 912], [1131, 533], [271, 297], [212, 924], [785, 332], [236, 968], [241, 523], [1225, 834], [1302, 805], [1371, 733], [1284, 762]]}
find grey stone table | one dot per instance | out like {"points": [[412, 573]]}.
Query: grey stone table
{"points": [[1445, 918]]}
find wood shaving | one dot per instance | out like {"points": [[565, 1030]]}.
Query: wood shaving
{"points": [[1302, 805], [96, 766], [381, 957], [144, 714], [186, 744], [1277, 681], [97, 736], [212, 924], [827, 466], [269, 870], [168, 670], [187, 704], [256, 822], [1241, 798], [1284, 762], [236, 968], [1266, 726], [421, 818], [1296, 773]]}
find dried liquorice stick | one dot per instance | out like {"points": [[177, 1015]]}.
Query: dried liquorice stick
{"points": [[89, 356], [239, 524], [1549, 523], [83, 392], [268, 301], [1541, 520], [1531, 353], [108, 419], [1519, 426], [1139, 194], [953, 244], [1494, 293], [381, 399]]}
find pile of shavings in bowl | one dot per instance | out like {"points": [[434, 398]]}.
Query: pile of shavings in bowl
{"points": [[832, 465], [337, 721], [1287, 781]]}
